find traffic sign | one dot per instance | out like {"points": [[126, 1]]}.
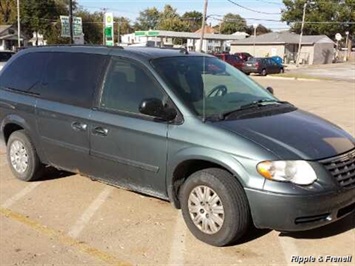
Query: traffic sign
{"points": [[77, 26]]}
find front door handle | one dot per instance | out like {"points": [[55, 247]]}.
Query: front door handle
{"points": [[79, 126], [100, 131]]}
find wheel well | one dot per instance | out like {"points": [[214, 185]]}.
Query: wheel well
{"points": [[9, 129], [183, 171]]}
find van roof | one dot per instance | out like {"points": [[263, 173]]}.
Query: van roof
{"points": [[142, 52]]}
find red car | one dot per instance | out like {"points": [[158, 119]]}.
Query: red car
{"points": [[231, 59]]}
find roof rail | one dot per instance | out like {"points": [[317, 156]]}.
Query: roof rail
{"points": [[75, 45]]}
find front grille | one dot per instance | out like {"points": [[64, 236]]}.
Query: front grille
{"points": [[342, 168]]}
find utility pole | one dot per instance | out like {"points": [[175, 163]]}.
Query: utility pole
{"points": [[71, 21], [103, 26], [301, 34], [203, 24], [18, 24]]}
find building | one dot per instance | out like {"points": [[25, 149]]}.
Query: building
{"points": [[139, 40], [212, 42], [315, 49], [9, 37]]}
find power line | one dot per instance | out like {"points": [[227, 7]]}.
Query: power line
{"points": [[269, 2], [256, 11]]}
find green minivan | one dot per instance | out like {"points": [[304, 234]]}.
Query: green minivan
{"points": [[181, 126]]}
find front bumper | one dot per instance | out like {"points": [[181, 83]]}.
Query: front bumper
{"points": [[285, 212]]}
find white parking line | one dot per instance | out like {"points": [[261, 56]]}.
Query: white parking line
{"points": [[89, 212], [289, 248], [177, 248], [9, 202]]}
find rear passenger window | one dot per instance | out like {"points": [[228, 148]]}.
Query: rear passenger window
{"points": [[127, 84], [71, 78], [24, 73]]}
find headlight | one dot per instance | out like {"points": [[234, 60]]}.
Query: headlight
{"points": [[298, 172]]}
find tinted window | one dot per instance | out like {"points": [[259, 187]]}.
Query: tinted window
{"points": [[71, 78], [127, 85], [24, 73], [5, 56]]}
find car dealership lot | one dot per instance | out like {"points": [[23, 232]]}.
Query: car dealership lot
{"points": [[68, 219]]}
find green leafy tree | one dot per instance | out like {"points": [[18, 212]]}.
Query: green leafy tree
{"points": [[38, 15], [147, 19], [232, 23], [193, 20], [261, 29], [7, 11], [124, 26], [322, 17], [169, 19]]}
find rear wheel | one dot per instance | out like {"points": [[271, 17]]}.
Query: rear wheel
{"points": [[282, 70], [22, 157], [215, 207], [263, 72]]}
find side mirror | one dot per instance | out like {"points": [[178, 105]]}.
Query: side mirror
{"points": [[269, 89], [154, 107]]}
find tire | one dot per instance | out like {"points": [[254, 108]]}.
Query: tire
{"points": [[282, 70], [230, 209], [263, 72], [22, 157]]}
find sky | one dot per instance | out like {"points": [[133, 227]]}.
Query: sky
{"points": [[265, 12]]}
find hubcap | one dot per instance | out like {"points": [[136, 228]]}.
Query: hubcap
{"points": [[18, 156], [206, 209]]}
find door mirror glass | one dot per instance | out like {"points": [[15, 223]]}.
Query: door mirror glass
{"points": [[154, 107]]}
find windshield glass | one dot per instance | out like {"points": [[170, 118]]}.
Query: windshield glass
{"points": [[209, 86]]}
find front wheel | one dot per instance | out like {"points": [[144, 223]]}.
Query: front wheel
{"points": [[263, 72], [215, 207], [22, 157]]}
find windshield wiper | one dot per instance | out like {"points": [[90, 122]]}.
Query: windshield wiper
{"points": [[260, 103], [254, 104]]}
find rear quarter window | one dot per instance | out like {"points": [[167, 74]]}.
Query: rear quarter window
{"points": [[24, 73]]}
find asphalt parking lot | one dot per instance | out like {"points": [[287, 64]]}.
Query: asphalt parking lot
{"points": [[69, 219]]}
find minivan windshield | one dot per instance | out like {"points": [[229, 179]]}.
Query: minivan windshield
{"points": [[209, 86]]}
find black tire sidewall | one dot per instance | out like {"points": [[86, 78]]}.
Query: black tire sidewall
{"points": [[33, 161], [231, 228]]}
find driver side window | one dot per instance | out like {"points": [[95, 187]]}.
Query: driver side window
{"points": [[126, 85]]}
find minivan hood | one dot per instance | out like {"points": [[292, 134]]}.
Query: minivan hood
{"points": [[293, 135]]}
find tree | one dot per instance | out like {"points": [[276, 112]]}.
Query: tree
{"points": [[53, 35], [322, 17], [147, 19], [7, 11], [232, 23], [124, 26], [38, 16], [261, 29], [193, 20], [169, 19]]}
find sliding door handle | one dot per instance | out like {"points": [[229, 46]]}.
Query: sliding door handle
{"points": [[100, 131]]}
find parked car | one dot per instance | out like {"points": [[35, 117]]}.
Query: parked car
{"points": [[262, 66], [220, 147], [244, 56], [277, 59], [4, 57], [231, 59]]}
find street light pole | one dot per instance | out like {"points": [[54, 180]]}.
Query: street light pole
{"points": [[18, 25], [203, 24], [254, 26]]}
